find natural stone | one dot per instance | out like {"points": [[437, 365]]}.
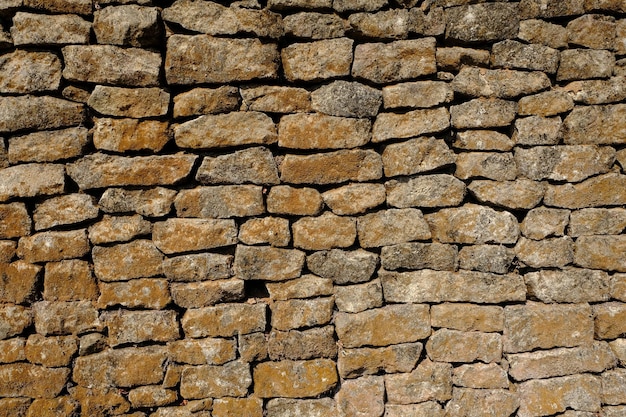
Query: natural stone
{"points": [[332, 167], [592, 31], [513, 54], [416, 155], [416, 255], [223, 201], [618, 287], [425, 191], [597, 221], [34, 381], [425, 409], [442, 346], [429, 381], [137, 259], [550, 8], [363, 396], [61, 6], [284, 407], [12, 350], [389, 24], [230, 380], [537, 130], [108, 64], [501, 83], [14, 220], [571, 285], [595, 357], [347, 99], [47, 146], [361, 297], [14, 320], [314, 25], [129, 102], [319, 131], [7, 250], [319, 60], [547, 103], [51, 352], [482, 22], [480, 376], [577, 64], [597, 91], [137, 293], [69, 280], [91, 343], [184, 235], [606, 189], [18, 281], [267, 263], [151, 202], [59, 318], [396, 61], [481, 402], [198, 267], [253, 347], [324, 232], [492, 165], [354, 198], [224, 320], [552, 252], [610, 5], [53, 246], [74, 93], [307, 286], [294, 314], [206, 293], [384, 326], [582, 125], [205, 59], [202, 351], [358, 5], [417, 94], [200, 101], [100, 401], [410, 124], [430, 23], [224, 407], [38, 112], [284, 199], [67, 209], [609, 320], [544, 222], [483, 113], [388, 227], [453, 58], [40, 29], [28, 72], [223, 130], [141, 326], [60, 406], [151, 396], [542, 397], [277, 99], [129, 25], [305, 344], [272, 230], [613, 385], [121, 135], [343, 267], [537, 31], [294, 379], [518, 194], [534, 325], [371, 361]]}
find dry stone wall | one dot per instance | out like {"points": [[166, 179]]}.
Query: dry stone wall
{"points": [[319, 208]]}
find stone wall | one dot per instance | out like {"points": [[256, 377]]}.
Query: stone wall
{"points": [[312, 208]]}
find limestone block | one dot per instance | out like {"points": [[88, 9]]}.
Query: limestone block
{"points": [[220, 201]]}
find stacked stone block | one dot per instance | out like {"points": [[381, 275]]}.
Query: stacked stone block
{"points": [[312, 208]]}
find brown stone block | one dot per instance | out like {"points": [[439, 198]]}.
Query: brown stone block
{"points": [[254, 165], [305, 287], [552, 252], [513, 54], [580, 64], [198, 267], [220, 201], [118, 229], [14, 220], [429, 381], [501, 83], [343, 267], [137, 259], [416, 255], [200, 101], [267, 263], [51, 352], [14, 320], [480, 376], [443, 346], [47, 146], [272, 230], [136, 293], [53, 246], [493, 402], [602, 190], [453, 58], [610, 320], [354, 198], [98, 402], [597, 221], [482, 22], [407, 125], [129, 25], [12, 350], [592, 31], [319, 60], [542, 397], [517, 194], [483, 112], [224, 320], [305, 344], [64, 210], [347, 99], [206, 293], [230, 380], [284, 199], [371, 361], [277, 99], [595, 125], [210, 351], [416, 155], [486, 258], [141, 326], [69, 280], [151, 396], [35, 112], [360, 297], [60, 318], [294, 379], [425, 409], [388, 227], [151, 202], [285, 407], [38, 29], [53, 407], [25, 72], [388, 24], [30, 180], [129, 102], [362, 396], [294, 314], [314, 25], [324, 232], [437, 190], [183, 235], [467, 317], [537, 31], [550, 8], [498, 166], [548, 103], [27, 380], [319, 131], [570, 285]]}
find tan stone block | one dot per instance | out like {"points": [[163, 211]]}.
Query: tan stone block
{"points": [[51, 352], [272, 230], [480, 376], [547, 103], [127, 326], [60, 318], [54, 407], [544, 397], [12, 350], [200, 101], [618, 287], [354, 198], [294, 379], [324, 232], [553, 252], [118, 229], [571, 285], [389, 24], [314, 25], [183, 235], [245, 407], [152, 202], [452, 58], [30, 180], [347, 99], [198, 267], [363, 396], [517, 194], [25, 72], [397, 61], [130, 25], [284, 407], [277, 99], [612, 90], [224, 320], [267, 263], [53, 246], [439, 286], [121, 135], [7, 250], [429, 381], [614, 387], [417, 94], [255, 165], [480, 402], [498, 166], [595, 357], [100, 401], [407, 125], [319, 60], [482, 22], [543, 33], [534, 325], [31, 28], [443, 346], [361, 297], [205, 293], [601, 190], [14, 320], [137, 259], [592, 31], [483, 113], [129, 102], [47, 146], [467, 317], [513, 54], [371, 361], [224, 130], [27, 380], [14, 220], [202, 351], [437, 190], [609, 320], [151, 396], [41, 113], [501, 83], [358, 5], [343, 267], [419, 256], [307, 286], [136, 293], [543, 222], [319, 131], [595, 125], [416, 155], [601, 252], [577, 64], [253, 347], [64, 210], [220, 201], [69, 280], [425, 409], [332, 167], [384, 326], [305, 344], [284, 199], [388, 227], [294, 314]]}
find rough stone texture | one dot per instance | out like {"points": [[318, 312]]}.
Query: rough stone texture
{"points": [[512, 54], [592, 31], [14, 320], [343, 267], [357, 298], [583, 123], [53, 246], [200, 101], [39, 29], [206, 293], [609, 320], [47, 146], [224, 320], [419, 255], [294, 379], [598, 91], [489, 402], [354, 198], [478, 82], [518, 194], [255, 165], [152, 202], [305, 287], [318, 131], [552, 252], [18, 282], [136, 293], [36, 381], [480, 376], [68, 209], [406, 125], [537, 130], [454, 57], [319, 60], [443, 345], [14, 220], [332, 167], [284, 407], [482, 22], [274, 99], [342, 98], [418, 94], [184, 235], [121, 135], [263, 262], [425, 409], [370, 361], [69, 280], [482, 113], [137, 259], [483, 140], [388, 227], [324, 232], [305, 344], [416, 155], [129, 102], [28, 72], [59, 318], [293, 314], [284, 199], [548, 103], [390, 24], [596, 191], [597, 221], [363, 396], [272, 230], [579, 64], [549, 396], [141, 326], [571, 285], [467, 317], [229, 380], [129, 25], [198, 267], [429, 381], [38, 112]]}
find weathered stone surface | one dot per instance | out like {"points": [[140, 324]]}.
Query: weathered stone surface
{"points": [[354, 198], [215, 19], [319, 60], [544, 397], [483, 112], [294, 379], [595, 125], [347, 99], [425, 409], [151, 396], [14, 220], [541, 32], [53, 246], [7, 250], [224, 320], [121, 135], [434, 286], [501, 83], [537, 130], [314, 25], [607, 189], [610, 5], [364, 396], [436, 256], [223, 201], [429, 381], [384, 326], [558, 162], [284, 407], [358, 5], [69, 280], [482, 22], [592, 31], [439, 190], [613, 386], [324, 232], [41, 112], [481, 402], [307, 286], [51, 352], [200, 101], [137, 259], [206, 293], [276, 99], [418, 94], [100, 401], [518, 194], [17, 282], [229, 380], [550, 8], [343, 267], [202, 351], [442, 346], [27, 72], [253, 347], [272, 230], [597, 91], [14, 319], [452, 58], [483, 140], [198, 267], [473, 224], [141, 326], [111, 65], [430, 23], [137, 293], [548, 103], [534, 325], [370, 361], [61, 6], [513, 54], [406, 125], [597, 221], [361, 297], [305, 344], [12, 350], [59, 318], [224, 407], [47, 146], [152, 202], [204, 59], [396, 61], [388, 227], [129, 25], [552, 252], [129, 102], [332, 167], [60, 406], [416, 155], [571, 285], [480, 376], [34, 381], [595, 357], [577, 64], [40, 29], [184, 235], [223, 130], [284, 199], [293, 314], [318, 131], [609, 320], [618, 287], [67, 209], [267, 263], [389, 24]]}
